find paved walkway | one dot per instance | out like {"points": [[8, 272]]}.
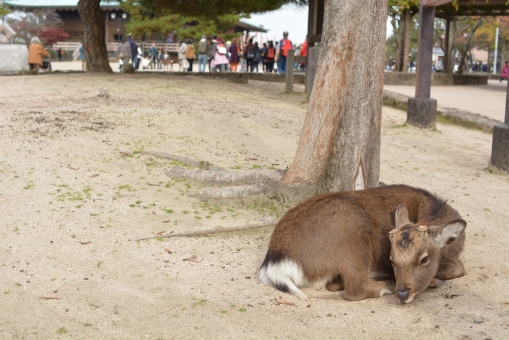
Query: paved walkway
{"points": [[488, 100]]}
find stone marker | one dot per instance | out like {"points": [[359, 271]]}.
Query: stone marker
{"points": [[14, 57]]}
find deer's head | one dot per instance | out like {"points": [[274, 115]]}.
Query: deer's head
{"points": [[415, 251]]}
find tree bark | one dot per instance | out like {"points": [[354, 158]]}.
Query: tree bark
{"points": [[94, 41], [339, 147], [452, 44], [466, 49], [406, 41], [400, 39]]}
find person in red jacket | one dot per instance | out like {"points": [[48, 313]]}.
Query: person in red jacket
{"points": [[284, 45], [304, 53]]}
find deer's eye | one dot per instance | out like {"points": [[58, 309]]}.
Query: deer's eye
{"points": [[424, 260]]}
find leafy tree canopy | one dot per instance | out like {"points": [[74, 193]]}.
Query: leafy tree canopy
{"points": [[146, 20], [397, 6], [4, 10], [43, 23], [214, 8]]}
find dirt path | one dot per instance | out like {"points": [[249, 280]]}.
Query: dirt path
{"points": [[76, 192]]}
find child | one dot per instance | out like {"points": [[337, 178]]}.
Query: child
{"points": [[120, 61], [160, 58]]}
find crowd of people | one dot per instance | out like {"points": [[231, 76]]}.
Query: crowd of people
{"points": [[213, 55], [216, 55]]}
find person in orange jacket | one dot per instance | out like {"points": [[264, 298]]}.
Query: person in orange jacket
{"points": [[35, 53]]}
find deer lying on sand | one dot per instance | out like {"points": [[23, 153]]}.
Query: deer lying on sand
{"points": [[346, 239]]}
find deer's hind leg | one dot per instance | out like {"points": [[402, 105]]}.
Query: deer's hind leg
{"points": [[355, 275], [362, 287], [335, 285]]}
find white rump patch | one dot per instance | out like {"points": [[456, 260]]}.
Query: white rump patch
{"points": [[284, 273]]}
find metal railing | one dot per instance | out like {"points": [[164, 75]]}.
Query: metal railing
{"points": [[113, 46]]}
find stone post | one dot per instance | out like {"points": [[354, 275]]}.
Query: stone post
{"points": [[422, 109], [500, 146]]}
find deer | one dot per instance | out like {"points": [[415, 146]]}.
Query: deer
{"points": [[168, 63], [360, 242]]}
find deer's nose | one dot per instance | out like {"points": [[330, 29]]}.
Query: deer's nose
{"points": [[403, 294]]}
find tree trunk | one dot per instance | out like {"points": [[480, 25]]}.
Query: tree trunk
{"points": [[401, 45], [467, 45], [94, 42], [461, 66], [339, 147], [406, 42], [452, 45]]}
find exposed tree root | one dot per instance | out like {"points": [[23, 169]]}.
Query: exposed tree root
{"points": [[228, 177], [191, 162], [216, 230], [229, 184], [237, 191]]}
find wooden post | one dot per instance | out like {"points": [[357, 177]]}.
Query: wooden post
{"points": [[311, 66], [422, 109], [312, 21], [289, 70]]}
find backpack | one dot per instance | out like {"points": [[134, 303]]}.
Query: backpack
{"points": [[250, 53], [202, 47], [258, 57], [270, 53], [221, 49], [285, 46]]}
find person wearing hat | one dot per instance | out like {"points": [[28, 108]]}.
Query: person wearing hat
{"points": [[202, 53], [284, 46], [35, 53], [124, 53]]}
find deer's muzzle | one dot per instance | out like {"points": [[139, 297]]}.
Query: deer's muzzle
{"points": [[403, 294]]}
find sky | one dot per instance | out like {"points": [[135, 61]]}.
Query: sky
{"points": [[291, 18]]}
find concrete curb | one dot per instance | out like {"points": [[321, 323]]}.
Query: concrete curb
{"points": [[452, 115], [270, 77]]}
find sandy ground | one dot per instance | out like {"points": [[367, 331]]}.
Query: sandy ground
{"points": [[76, 193]]}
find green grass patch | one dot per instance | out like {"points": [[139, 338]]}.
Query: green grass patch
{"points": [[62, 330], [200, 302]]}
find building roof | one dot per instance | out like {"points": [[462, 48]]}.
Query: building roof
{"points": [[246, 26], [472, 8], [58, 4]]}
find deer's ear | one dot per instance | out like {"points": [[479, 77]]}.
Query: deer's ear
{"points": [[401, 216], [447, 234]]}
